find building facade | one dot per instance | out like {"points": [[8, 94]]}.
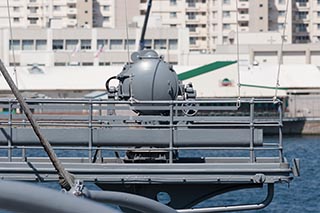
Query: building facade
{"points": [[211, 23], [86, 47]]}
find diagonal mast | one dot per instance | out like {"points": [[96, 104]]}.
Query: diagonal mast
{"points": [[144, 28]]}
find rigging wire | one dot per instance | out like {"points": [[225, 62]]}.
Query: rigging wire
{"points": [[128, 50], [127, 29], [281, 52], [238, 57], [12, 47]]}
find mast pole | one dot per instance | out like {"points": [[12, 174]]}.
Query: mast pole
{"points": [[144, 28]]}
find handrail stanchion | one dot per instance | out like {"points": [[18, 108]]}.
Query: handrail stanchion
{"points": [[280, 132], [171, 135], [90, 131], [252, 155], [10, 131]]}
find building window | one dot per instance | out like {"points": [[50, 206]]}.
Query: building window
{"points": [[226, 26], [318, 25], [302, 3], [87, 64], [226, 1], [33, 20], [148, 44], [59, 64], [301, 27], [173, 14], [14, 64], [225, 40], [302, 15], [173, 44], [191, 15], [101, 43], [16, 20], [116, 44], [57, 44], [192, 41], [41, 44], [160, 44], [106, 7], [318, 14], [173, 2], [71, 44], [14, 44], [33, 9], [302, 39], [27, 45], [281, 1], [280, 26], [282, 13], [192, 27], [106, 18], [131, 43], [86, 44], [56, 8], [191, 3], [16, 9], [226, 14]]}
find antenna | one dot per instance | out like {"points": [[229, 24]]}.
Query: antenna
{"points": [[144, 28]]}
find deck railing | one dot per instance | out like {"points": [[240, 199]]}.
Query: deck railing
{"points": [[169, 120]]}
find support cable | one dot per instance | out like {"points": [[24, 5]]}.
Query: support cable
{"points": [[11, 44], [281, 52], [127, 30], [128, 50], [238, 57], [66, 179]]}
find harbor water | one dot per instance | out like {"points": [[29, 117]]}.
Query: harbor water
{"points": [[303, 193]]}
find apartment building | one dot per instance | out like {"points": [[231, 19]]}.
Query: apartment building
{"points": [[67, 13], [210, 22]]}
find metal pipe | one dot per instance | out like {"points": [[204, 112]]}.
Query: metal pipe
{"points": [[252, 154], [244, 207], [28, 198], [144, 28], [67, 179], [131, 201]]}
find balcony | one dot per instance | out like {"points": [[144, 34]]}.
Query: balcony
{"points": [[71, 2], [244, 29], [71, 11], [71, 22], [196, 7], [243, 17], [243, 5]]}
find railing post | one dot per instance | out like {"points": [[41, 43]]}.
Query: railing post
{"points": [[252, 155], [280, 132], [171, 135], [10, 131], [90, 131]]}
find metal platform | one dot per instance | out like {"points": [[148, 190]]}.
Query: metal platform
{"points": [[107, 142]]}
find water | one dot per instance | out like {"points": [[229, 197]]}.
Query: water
{"points": [[303, 194]]}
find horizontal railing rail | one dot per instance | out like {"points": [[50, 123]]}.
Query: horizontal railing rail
{"points": [[100, 118]]}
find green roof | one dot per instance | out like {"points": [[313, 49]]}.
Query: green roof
{"points": [[204, 69]]}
